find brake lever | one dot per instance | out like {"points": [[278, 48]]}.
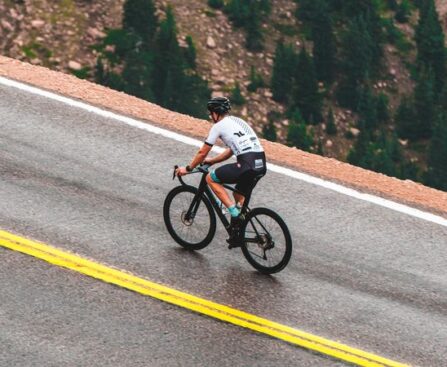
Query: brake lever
{"points": [[175, 169]]}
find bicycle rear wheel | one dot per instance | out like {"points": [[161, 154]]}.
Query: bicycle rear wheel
{"points": [[267, 244], [193, 233]]}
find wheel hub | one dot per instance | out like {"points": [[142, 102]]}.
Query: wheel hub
{"points": [[187, 222], [266, 242]]}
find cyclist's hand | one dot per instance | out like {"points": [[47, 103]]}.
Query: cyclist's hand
{"points": [[181, 171]]}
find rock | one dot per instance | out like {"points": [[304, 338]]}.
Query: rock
{"points": [[95, 33], [269, 61], [268, 93], [214, 72], [74, 65], [329, 143], [354, 131], [36, 61], [210, 43], [38, 23], [5, 24], [393, 71], [244, 111], [13, 13], [403, 142]]}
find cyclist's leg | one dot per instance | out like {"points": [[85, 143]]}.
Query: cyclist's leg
{"points": [[219, 190], [228, 173]]}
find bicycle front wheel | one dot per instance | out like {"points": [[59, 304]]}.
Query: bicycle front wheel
{"points": [[195, 232], [267, 244]]}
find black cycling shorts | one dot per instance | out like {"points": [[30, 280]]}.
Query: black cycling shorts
{"points": [[245, 173]]}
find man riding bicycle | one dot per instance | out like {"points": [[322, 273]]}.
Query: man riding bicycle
{"points": [[241, 141]]}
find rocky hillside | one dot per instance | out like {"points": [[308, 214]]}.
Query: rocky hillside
{"points": [[59, 35]]}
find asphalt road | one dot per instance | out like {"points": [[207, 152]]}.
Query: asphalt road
{"points": [[360, 274]]}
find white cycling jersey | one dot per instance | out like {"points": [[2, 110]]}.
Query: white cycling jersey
{"points": [[236, 134]]}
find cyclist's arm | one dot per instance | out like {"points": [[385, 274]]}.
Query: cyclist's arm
{"points": [[200, 156], [227, 153]]}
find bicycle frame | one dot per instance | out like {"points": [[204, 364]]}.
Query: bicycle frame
{"points": [[203, 188]]}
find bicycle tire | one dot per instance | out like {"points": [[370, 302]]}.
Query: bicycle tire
{"points": [[247, 232], [178, 237]]}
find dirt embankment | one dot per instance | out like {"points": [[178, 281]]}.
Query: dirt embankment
{"points": [[407, 192]]}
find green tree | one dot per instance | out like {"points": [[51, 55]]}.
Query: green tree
{"points": [[249, 14], [430, 41], [325, 49], [256, 80], [436, 175], [403, 12], [269, 131], [297, 134], [216, 4], [425, 104], [284, 65], [356, 64], [306, 10], [306, 97], [406, 119], [190, 53], [176, 87], [383, 114], [236, 96], [331, 128], [139, 18], [367, 109], [362, 151]]}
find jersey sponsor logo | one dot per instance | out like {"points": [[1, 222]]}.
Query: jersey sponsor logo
{"points": [[239, 134]]}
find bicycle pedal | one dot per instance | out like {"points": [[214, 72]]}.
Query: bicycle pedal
{"points": [[233, 243]]}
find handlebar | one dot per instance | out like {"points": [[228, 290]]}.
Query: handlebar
{"points": [[202, 168]]}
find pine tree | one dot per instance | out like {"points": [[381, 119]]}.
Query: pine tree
{"points": [[383, 114], [175, 87], [331, 128], [249, 14], [403, 12], [139, 18], [297, 134], [216, 4], [425, 104], [307, 10], [256, 80], [169, 64], [190, 52], [360, 154], [357, 61], [306, 96], [436, 175], [325, 50], [269, 131], [430, 43], [406, 119], [255, 39], [367, 109], [285, 62], [236, 96]]}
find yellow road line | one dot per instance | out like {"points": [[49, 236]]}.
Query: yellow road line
{"points": [[196, 304]]}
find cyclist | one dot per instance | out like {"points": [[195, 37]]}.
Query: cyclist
{"points": [[241, 141]]}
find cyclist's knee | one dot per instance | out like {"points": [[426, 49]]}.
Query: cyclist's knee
{"points": [[212, 178]]}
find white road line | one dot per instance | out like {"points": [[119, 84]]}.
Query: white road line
{"points": [[197, 143]]}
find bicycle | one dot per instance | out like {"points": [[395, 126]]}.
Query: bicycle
{"points": [[189, 213]]}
